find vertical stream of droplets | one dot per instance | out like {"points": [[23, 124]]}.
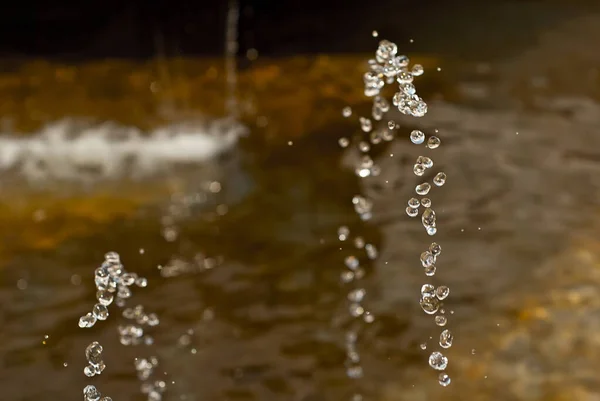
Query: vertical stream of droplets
{"points": [[113, 283], [388, 68]]}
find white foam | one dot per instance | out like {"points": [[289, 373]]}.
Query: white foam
{"points": [[68, 150]]}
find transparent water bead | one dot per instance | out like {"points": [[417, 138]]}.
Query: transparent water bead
{"points": [[427, 290], [354, 372], [93, 353], [430, 305], [87, 320], [442, 292], [438, 361], [444, 379], [364, 147], [359, 242], [412, 212], [141, 282], [391, 124], [431, 230], [343, 142], [357, 295], [439, 179], [371, 251], [414, 203], [419, 170], [428, 218], [100, 312], [417, 70], [417, 137], [425, 161], [356, 310], [347, 111], [104, 297], [352, 262], [426, 202], [433, 142], [362, 206], [427, 259], [365, 124], [446, 338], [343, 233], [441, 320], [385, 51], [404, 77], [430, 270], [91, 393], [423, 189], [435, 249]]}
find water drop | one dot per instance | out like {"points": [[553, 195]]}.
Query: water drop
{"points": [[141, 282], [430, 305], [423, 346], [417, 137], [433, 142], [371, 251], [427, 290], [426, 202], [343, 142], [364, 147], [438, 361], [435, 249], [414, 203], [425, 161], [444, 379], [417, 70], [100, 312], [442, 292], [104, 297], [91, 393], [375, 34], [431, 230], [356, 295], [391, 124], [439, 179], [427, 259], [441, 320], [347, 111], [343, 233], [430, 271], [411, 212], [359, 242], [419, 170], [446, 338], [356, 310], [365, 124], [428, 218], [423, 189], [87, 320], [351, 262]]}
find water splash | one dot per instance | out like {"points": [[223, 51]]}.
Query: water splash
{"points": [[113, 284], [385, 69]]}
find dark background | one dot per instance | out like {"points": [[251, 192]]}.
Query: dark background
{"points": [[143, 29]]}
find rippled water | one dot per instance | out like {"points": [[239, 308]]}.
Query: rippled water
{"points": [[264, 318]]}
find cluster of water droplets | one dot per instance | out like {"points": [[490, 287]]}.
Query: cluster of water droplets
{"points": [[93, 354], [113, 284], [145, 368]]}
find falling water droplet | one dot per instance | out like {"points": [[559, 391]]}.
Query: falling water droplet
{"points": [[438, 361], [417, 137]]}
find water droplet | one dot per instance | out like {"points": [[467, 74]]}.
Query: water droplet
{"points": [[347, 111], [428, 218], [104, 297], [100, 312], [87, 320], [391, 124], [438, 361], [359, 242], [419, 170], [417, 137], [91, 393], [439, 179], [141, 282], [375, 34], [446, 338], [441, 320], [425, 161], [431, 230], [356, 295], [354, 372], [444, 379], [426, 202], [433, 142], [356, 310], [364, 147], [343, 233], [427, 290], [411, 212], [417, 70], [343, 142], [423, 189], [435, 249], [371, 251], [423, 346], [351, 262], [427, 259], [365, 124], [430, 305], [442, 292], [93, 353], [414, 203]]}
